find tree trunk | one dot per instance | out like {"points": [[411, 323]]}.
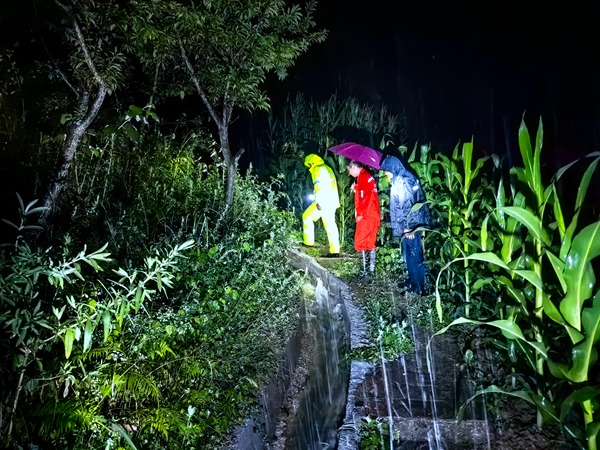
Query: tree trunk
{"points": [[74, 135], [231, 164], [222, 122], [76, 131]]}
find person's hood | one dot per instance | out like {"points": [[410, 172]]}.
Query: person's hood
{"points": [[313, 160], [393, 165]]}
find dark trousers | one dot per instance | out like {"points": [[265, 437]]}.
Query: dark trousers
{"points": [[412, 251]]}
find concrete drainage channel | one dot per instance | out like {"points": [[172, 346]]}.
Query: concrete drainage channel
{"points": [[319, 398]]}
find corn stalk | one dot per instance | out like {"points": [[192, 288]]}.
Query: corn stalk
{"points": [[550, 276]]}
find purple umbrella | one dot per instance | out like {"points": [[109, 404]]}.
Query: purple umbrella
{"points": [[358, 152]]}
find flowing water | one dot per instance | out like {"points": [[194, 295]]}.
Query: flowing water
{"points": [[416, 395], [323, 400]]}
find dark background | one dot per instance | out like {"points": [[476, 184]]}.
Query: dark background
{"points": [[457, 70]]}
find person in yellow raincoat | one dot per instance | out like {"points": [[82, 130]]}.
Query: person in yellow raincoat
{"points": [[326, 202]]}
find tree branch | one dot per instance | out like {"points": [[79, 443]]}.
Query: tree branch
{"points": [[77, 128], [218, 120], [238, 155], [86, 54], [155, 84]]}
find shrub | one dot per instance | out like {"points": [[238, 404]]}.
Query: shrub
{"points": [[164, 350]]}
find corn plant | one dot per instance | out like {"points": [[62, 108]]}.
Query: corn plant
{"points": [[549, 312], [461, 200]]}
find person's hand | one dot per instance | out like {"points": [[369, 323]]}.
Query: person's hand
{"points": [[407, 234], [319, 207], [359, 218]]}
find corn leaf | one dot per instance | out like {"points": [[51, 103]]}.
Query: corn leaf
{"points": [[507, 327], [524, 395], [526, 152], [558, 214], [591, 431], [585, 182], [529, 220], [559, 267], [581, 192], [536, 167], [585, 353], [579, 274], [514, 292], [577, 397], [467, 157]]}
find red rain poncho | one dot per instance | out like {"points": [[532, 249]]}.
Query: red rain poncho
{"points": [[368, 217]]}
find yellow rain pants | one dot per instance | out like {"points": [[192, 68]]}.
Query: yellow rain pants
{"points": [[310, 216]]}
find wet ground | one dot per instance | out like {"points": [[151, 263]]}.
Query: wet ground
{"points": [[420, 396]]}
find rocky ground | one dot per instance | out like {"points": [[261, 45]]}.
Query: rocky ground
{"points": [[511, 421]]}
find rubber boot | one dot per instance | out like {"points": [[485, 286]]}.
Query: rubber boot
{"points": [[364, 257], [372, 254]]}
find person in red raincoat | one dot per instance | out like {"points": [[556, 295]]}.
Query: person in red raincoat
{"points": [[368, 217]]}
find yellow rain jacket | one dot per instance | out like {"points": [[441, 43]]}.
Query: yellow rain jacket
{"points": [[324, 183], [324, 205]]}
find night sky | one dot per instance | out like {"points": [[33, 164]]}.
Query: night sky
{"points": [[462, 69]]}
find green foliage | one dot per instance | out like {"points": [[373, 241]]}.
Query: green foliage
{"points": [[221, 52], [103, 356], [138, 196], [388, 328], [54, 311], [22, 228], [390, 261], [346, 268], [232, 47], [421, 310], [11, 82], [307, 126], [548, 308], [237, 314], [393, 339], [108, 54], [375, 434]]}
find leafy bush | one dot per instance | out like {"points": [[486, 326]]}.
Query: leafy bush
{"points": [[169, 354], [63, 330], [389, 329], [236, 303], [375, 435], [134, 193]]}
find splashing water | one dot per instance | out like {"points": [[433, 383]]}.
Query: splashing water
{"points": [[324, 398], [421, 395], [417, 395]]}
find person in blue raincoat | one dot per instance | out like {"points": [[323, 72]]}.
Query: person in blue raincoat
{"points": [[405, 192], [326, 202]]}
